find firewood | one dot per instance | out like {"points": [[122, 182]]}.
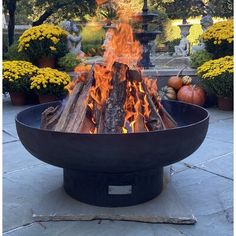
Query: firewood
{"points": [[80, 109], [134, 75], [69, 107], [167, 119], [113, 114], [87, 127], [50, 117], [155, 121]]}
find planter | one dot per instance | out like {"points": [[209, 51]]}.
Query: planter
{"points": [[17, 98], [225, 103], [211, 100], [47, 62], [184, 29], [47, 98]]}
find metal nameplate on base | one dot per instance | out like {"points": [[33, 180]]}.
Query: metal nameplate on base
{"points": [[119, 190]]}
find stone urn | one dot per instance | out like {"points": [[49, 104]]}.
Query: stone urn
{"points": [[184, 29]]}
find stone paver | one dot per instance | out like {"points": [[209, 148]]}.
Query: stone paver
{"points": [[203, 181]]}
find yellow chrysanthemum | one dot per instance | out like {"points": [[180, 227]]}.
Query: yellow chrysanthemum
{"points": [[41, 32], [48, 76], [219, 32], [214, 68], [15, 70]]}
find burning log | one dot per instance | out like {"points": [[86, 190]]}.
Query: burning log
{"points": [[114, 98], [75, 110], [65, 116], [167, 119], [155, 121], [113, 114]]}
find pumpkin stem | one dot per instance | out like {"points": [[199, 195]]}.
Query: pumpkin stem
{"points": [[181, 71]]}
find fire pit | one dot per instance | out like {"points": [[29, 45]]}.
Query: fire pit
{"points": [[114, 169]]}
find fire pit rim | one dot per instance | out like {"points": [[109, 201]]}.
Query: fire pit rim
{"points": [[128, 134]]}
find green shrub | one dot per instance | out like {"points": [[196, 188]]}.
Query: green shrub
{"points": [[92, 39], [68, 62], [171, 45], [12, 54], [92, 49], [219, 50], [199, 58]]}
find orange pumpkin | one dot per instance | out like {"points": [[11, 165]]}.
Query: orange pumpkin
{"points": [[191, 94], [175, 82]]}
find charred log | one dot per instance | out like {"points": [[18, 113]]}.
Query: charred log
{"points": [[113, 114]]}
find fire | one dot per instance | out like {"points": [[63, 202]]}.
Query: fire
{"points": [[120, 47], [100, 2]]}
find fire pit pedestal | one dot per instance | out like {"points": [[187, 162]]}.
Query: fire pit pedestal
{"points": [[114, 169], [113, 189]]}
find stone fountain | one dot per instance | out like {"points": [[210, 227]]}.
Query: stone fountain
{"points": [[144, 35]]}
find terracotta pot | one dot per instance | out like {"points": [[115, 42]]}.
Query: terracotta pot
{"points": [[46, 62], [47, 98], [225, 103], [18, 98]]}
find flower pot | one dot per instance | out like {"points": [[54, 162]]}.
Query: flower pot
{"points": [[46, 62], [47, 98], [17, 98], [225, 103]]}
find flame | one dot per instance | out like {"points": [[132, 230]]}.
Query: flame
{"points": [[100, 2], [122, 47], [100, 91]]}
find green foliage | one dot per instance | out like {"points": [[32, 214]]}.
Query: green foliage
{"points": [[221, 8], [92, 39], [68, 62], [13, 54], [55, 10], [109, 13], [183, 9], [221, 85], [199, 58], [171, 44], [219, 50]]}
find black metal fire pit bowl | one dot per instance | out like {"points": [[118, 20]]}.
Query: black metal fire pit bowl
{"points": [[114, 170]]}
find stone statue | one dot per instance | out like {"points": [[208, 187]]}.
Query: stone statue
{"points": [[183, 48], [73, 39], [206, 22]]}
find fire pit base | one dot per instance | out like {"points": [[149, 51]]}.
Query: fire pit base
{"points": [[113, 189]]}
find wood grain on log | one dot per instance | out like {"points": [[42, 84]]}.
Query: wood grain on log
{"points": [[69, 107], [50, 117], [79, 112], [113, 112]]}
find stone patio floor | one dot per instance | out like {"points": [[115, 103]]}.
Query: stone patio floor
{"points": [[204, 181]]}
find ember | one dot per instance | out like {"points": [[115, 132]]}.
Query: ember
{"points": [[112, 97]]}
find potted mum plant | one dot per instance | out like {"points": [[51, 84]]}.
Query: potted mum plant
{"points": [[218, 76], [43, 44], [16, 80], [219, 38], [50, 84]]}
